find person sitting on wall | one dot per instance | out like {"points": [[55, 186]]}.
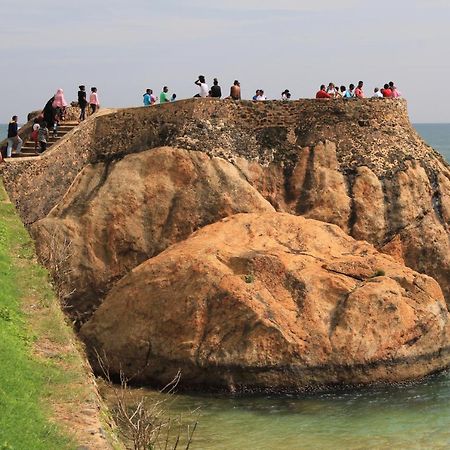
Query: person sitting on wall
{"points": [[349, 93], [286, 95], [394, 90], [201, 83], [164, 96], [322, 93], [386, 91], [216, 91], [359, 93], [149, 98], [377, 93], [255, 97], [331, 89], [261, 97], [341, 92], [235, 91]]}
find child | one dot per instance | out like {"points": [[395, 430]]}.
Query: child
{"points": [[43, 136], [58, 114], [93, 100], [35, 134]]}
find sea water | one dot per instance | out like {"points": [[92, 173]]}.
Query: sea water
{"points": [[414, 416]]}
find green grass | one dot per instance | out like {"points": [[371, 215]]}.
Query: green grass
{"points": [[28, 384]]}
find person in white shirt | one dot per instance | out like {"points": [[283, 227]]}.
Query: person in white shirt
{"points": [[286, 95], [377, 93], [331, 89], [201, 83], [261, 97]]}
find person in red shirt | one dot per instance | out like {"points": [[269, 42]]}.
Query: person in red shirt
{"points": [[359, 90], [386, 91], [323, 93]]}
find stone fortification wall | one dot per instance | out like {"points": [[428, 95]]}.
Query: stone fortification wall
{"points": [[372, 133]]}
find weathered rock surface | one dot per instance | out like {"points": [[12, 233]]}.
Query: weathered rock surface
{"points": [[118, 214], [127, 184], [409, 206], [359, 165], [272, 301]]}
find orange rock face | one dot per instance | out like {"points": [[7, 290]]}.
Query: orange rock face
{"points": [[272, 301], [117, 215], [128, 184]]}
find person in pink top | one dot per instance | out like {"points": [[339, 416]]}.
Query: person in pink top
{"points": [[59, 102], [359, 93], [394, 90], [93, 100]]}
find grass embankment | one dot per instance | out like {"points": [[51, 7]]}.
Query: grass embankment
{"points": [[47, 400]]}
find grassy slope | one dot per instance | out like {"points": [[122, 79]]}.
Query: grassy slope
{"points": [[42, 375]]}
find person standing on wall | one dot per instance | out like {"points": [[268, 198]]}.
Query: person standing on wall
{"points": [[13, 137], [82, 101], [93, 100]]}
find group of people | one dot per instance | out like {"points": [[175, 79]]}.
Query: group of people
{"points": [[204, 91], [94, 102], [54, 110], [389, 90], [49, 120], [332, 91]]}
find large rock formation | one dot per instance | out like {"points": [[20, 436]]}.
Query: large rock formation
{"points": [[272, 301], [127, 184], [118, 214], [357, 164]]}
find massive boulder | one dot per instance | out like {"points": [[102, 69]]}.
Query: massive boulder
{"points": [[271, 301], [118, 214], [359, 165], [401, 207]]}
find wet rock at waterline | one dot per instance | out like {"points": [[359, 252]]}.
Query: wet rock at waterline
{"points": [[272, 301]]}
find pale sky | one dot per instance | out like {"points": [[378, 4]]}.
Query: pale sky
{"points": [[125, 46]]}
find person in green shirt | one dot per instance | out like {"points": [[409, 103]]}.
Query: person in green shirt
{"points": [[164, 96]]}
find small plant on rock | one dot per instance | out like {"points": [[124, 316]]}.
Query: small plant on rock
{"points": [[378, 273]]}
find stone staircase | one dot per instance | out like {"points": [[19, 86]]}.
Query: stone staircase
{"points": [[28, 146]]}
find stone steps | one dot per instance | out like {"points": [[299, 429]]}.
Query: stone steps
{"points": [[28, 146]]}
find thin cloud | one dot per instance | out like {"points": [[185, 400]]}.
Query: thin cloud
{"points": [[278, 5]]}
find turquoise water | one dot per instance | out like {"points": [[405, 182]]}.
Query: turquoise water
{"points": [[407, 417], [437, 135]]}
